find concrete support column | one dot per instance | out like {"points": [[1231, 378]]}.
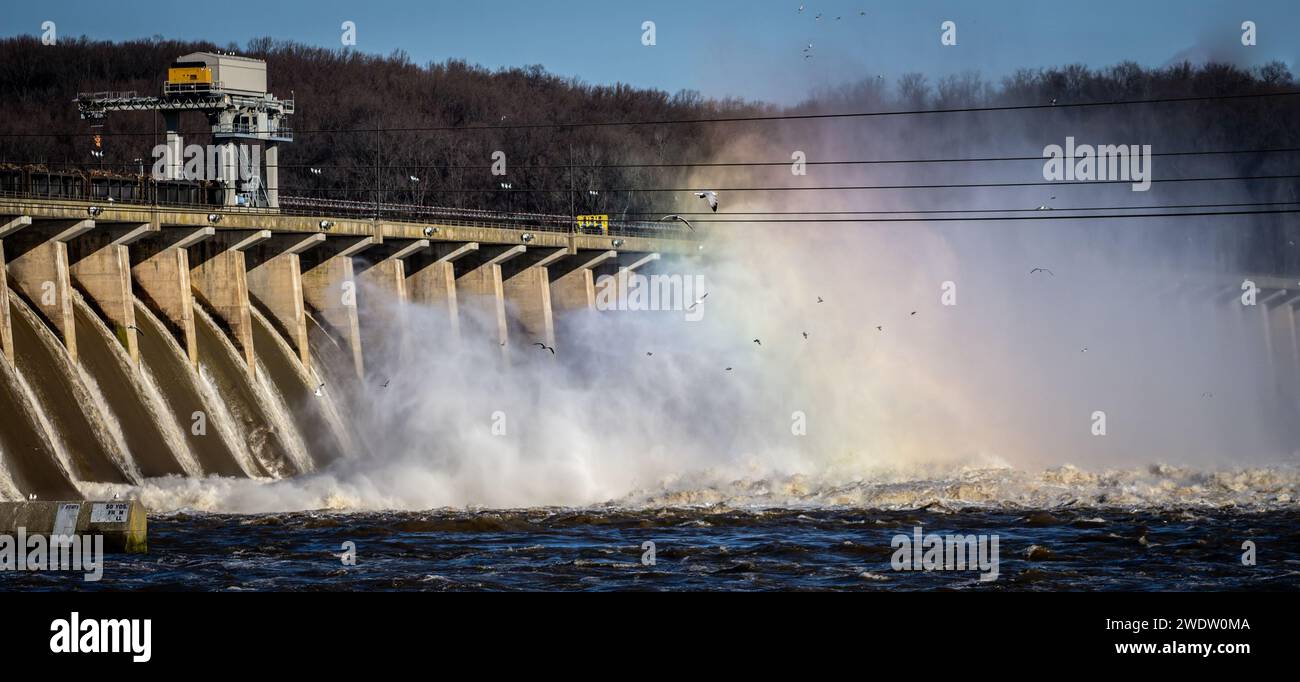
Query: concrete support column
{"points": [[275, 282], [38, 263], [8, 224], [431, 279], [620, 271], [272, 153], [329, 288], [479, 288], [220, 279], [526, 283], [101, 267], [175, 146], [572, 283], [381, 274], [160, 268]]}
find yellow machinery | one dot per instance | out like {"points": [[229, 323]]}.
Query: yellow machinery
{"points": [[189, 74]]}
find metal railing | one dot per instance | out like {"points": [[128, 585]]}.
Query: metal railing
{"points": [[358, 210], [191, 88]]}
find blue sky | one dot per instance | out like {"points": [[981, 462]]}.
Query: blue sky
{"points": [[746, 48]]}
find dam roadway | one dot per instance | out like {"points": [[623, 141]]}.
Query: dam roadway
{"points": [[351, 279]]}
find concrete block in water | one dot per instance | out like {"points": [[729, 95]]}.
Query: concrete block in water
{"points": [[121, 522]]}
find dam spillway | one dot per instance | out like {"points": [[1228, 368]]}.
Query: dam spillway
{"points": [[143, 341]]}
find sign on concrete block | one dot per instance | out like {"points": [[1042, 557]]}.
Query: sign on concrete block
{"points": [[109, 512], [65, 520]]}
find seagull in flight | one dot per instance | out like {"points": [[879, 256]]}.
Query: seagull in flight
{"points": [[674, 216], [545, 347], [819, 300], [697, 302], [760, 343], [1038, 270], [712, 198], [805, 336], [320, 390]]}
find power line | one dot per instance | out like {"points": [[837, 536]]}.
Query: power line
{"points": [[1045, 215], [683, 164], [817, 188], [965, 210], [737, 119]]}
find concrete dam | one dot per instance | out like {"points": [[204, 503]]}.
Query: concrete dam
{"points": [[143, 341]]}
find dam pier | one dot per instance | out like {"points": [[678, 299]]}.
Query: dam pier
{"points": [[127, 298]]}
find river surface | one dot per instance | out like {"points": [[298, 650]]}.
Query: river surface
{"points": [[1082, 549]]}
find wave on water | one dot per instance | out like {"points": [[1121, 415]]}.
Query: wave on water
{"points": [[1157, 487]]}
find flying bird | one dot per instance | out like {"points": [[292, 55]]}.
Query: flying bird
{"points": [[805, 336], [320, 390], [386, 382], [697, 302], [728, 369], [1038, 270], [674, 216], [880, 328], [649, 354], [758, 342], [545, 347], [819, 300], [712, 198]]}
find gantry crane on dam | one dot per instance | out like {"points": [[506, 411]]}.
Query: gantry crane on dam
{"points": [[232, 92]]}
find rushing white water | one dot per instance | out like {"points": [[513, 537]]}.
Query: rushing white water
{"points": [[107, 429], [326, 404], [143, 385], [267, 405], [8, 490], [222, 422]]}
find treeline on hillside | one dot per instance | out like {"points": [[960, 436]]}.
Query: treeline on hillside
{"points": [[339, 90]]}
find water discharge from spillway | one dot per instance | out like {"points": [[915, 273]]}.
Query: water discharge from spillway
{"points": [[272, 436], [76, 428], [324, 433], [212, 436], [157, 442]]}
